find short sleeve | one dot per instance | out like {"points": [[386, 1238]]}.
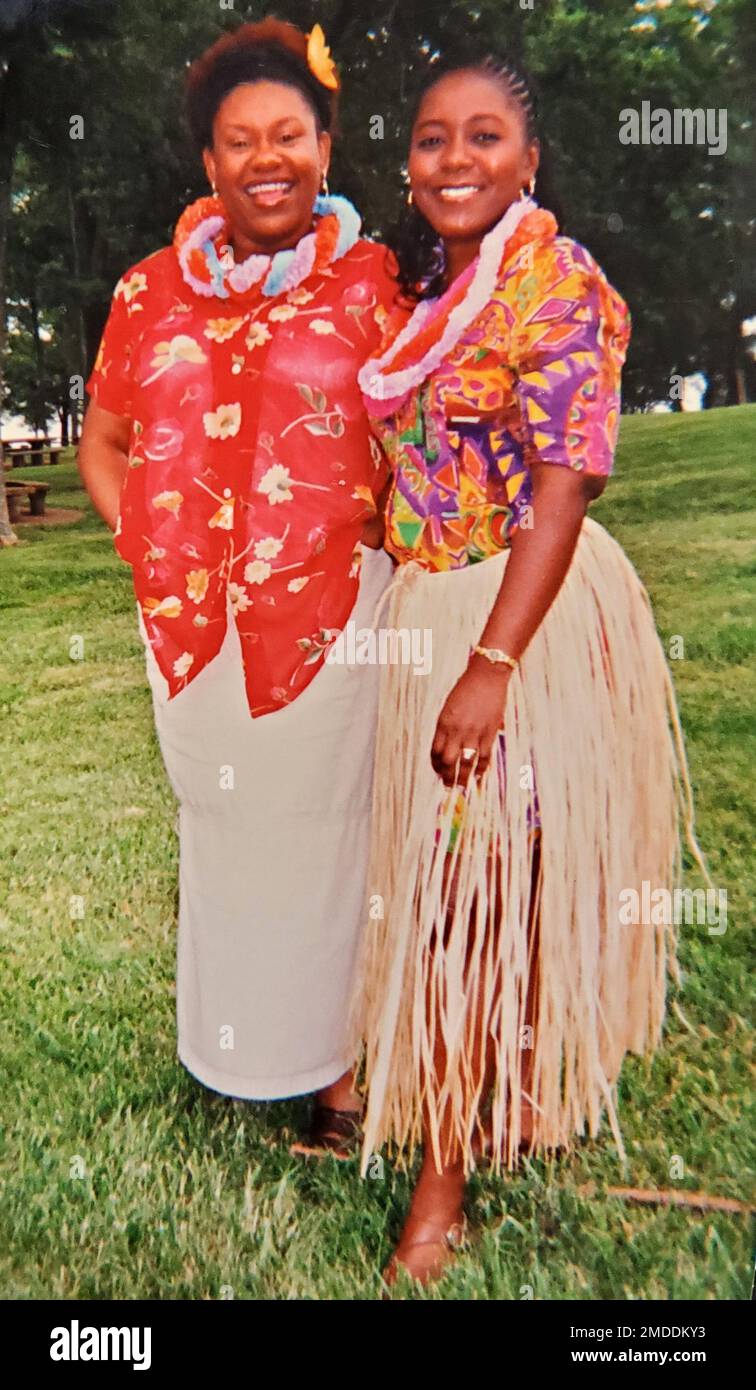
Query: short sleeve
{"points": [[570, 340], [383, 270], [386, 272], [110, 382]]}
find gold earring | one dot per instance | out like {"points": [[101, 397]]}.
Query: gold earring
{"points": [[324, 188], [531, 186], [410, 199]]}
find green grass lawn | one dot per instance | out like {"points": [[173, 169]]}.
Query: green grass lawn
{"points": [[122, 1177]]}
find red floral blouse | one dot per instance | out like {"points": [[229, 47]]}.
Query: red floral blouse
{"points": [[251, 465]]}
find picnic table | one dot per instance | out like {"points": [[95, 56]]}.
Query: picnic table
{"points": [[16, 493], [15, 451]]}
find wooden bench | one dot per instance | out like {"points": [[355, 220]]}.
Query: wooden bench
{"points": [[18, 452], [36, 493]]}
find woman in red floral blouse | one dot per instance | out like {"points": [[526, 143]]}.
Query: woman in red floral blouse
{"points": [[227, 446]]}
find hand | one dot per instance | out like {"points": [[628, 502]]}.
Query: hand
{"points": [[471, 718]]}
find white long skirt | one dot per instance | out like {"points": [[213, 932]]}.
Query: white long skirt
{"points": [[272, 868]]}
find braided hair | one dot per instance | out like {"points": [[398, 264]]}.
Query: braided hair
{"points": [[413, 240]]}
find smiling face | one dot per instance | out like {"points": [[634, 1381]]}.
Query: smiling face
{"points": [[267, 162], [469, 156]]}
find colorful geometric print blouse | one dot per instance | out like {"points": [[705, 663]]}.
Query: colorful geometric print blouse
{"points": [[251, 464], [533, 376]]}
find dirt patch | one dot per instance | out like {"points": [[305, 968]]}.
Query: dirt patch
{"points": [[54, 516]]}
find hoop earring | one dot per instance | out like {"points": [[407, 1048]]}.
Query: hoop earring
{"points": [[324, 193], [410, 199]]}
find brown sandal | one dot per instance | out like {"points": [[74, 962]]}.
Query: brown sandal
{"points": [[453, 1239], [334, 1132]]}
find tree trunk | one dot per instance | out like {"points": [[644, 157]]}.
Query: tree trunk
{"points": [[76, 261], [39, 408], [7, 153], [734, 355]]}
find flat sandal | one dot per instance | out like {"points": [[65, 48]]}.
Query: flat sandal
{"points": [[455, 1238]]}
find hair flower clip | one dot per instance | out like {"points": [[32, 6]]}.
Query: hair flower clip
{"points": [[319, 59]]}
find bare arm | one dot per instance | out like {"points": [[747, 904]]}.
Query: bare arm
{"points": [[540, 556], [539, 560], [103, 459]]}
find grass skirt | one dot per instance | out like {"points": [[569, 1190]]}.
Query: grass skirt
{"points": [[593, 750]]}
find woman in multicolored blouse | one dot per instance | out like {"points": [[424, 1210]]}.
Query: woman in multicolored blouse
{"points": [[500, 986], [227, 446]]}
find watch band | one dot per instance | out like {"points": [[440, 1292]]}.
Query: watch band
{"points": [[496, 656]]}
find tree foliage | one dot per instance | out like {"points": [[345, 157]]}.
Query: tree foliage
{"points": [[673, 226]]}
